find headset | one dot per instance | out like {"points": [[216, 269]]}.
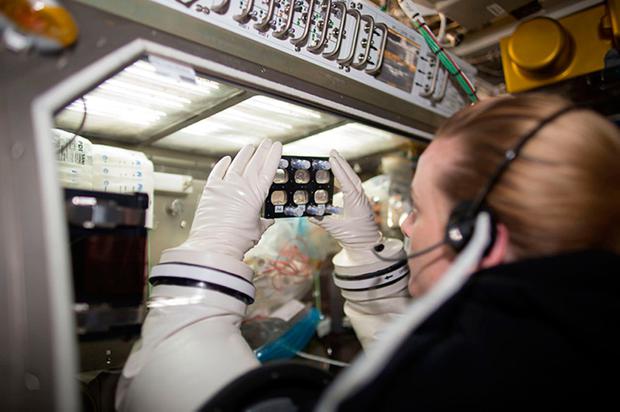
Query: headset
{"points": [[462, 220]]}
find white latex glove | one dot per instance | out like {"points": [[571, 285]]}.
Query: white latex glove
{"points": [[227, 221], [355, 230], [188, 328], [375, 290]]}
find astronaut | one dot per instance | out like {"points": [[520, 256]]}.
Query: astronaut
{"points": [[503, 311]]}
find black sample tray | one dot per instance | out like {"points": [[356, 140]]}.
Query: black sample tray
{"points": [[297, 175]]}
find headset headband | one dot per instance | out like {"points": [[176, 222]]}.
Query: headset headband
{"points": [[509, 156]]}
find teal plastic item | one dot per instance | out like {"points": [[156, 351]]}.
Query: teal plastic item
{"points": [[292, 341]]}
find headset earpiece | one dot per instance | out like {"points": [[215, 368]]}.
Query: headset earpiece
{"points": [[461, 224]]}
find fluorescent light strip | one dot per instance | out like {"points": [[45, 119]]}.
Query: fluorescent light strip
{"points": [[104, 107], [155, 80], [149, 91], [243, 139], [143, 65], [235, 137], [235, 114], [95, 113], [217, 143], [105, 111], [112, 91], [203, 89], [202, 128], [352, 139], [369, 131], [272, 105], [121, 107]]}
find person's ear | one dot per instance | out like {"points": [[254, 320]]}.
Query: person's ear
{"points": [[498, 253]]}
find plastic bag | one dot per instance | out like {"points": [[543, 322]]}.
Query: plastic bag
{"points": [[285, 262]]}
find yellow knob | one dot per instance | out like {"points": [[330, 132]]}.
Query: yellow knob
{"points": [[539, 45]]}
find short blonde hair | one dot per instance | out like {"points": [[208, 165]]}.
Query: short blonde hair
{"points": [[561, 194]]}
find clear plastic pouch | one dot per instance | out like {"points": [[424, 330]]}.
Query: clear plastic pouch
{"points": [[285, 262]]}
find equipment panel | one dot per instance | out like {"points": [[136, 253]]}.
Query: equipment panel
{"points": [[355, 39]]}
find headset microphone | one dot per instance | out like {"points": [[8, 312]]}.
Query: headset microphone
{"points": [[421, 252]]}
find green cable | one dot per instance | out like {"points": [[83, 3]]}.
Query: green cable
{"points": [[447, 63], [385, 6]]}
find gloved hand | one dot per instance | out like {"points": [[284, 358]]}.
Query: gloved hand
{"points": [[227, 222], [355, 230], [201, 310], [375, 290]]}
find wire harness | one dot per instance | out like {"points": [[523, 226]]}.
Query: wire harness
{"points": [[434, 44]]}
